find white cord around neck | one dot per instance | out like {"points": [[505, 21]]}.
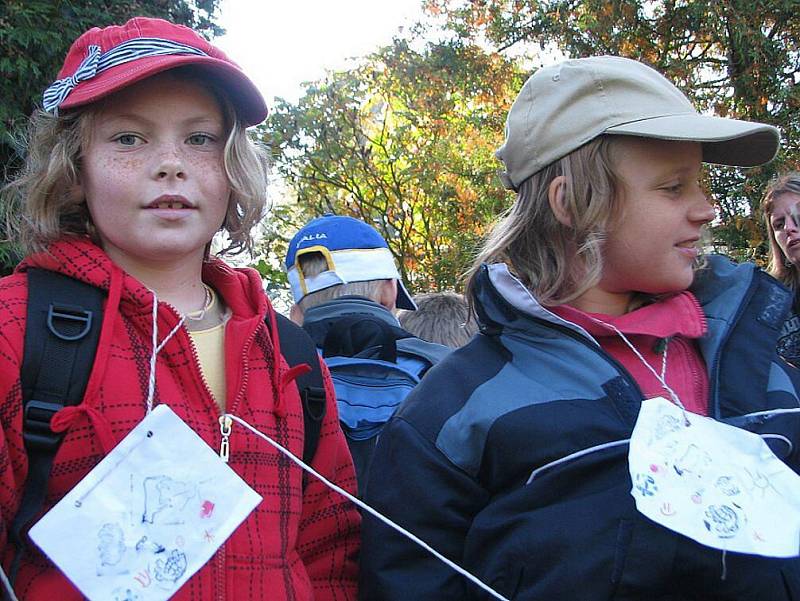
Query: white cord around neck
{"points": [[368, 508], [660, 377], [156, 347]]}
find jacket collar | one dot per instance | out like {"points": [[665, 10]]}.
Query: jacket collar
{"points": [[721, 286], [318, 319], [81, 259]]}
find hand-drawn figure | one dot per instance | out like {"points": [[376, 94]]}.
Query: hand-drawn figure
{"points": [[759, 483], [646, 485], [667, 424], [125, 594], [165, 499], [111, 550], [206, 509], [723, 521], [694, 461], [146, 545], [172, 569], [728, 485]]}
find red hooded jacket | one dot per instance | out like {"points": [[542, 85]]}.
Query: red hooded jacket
{"points": [[298, 543]]}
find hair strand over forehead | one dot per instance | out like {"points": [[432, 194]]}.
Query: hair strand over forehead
{"points": [[558, 262]]}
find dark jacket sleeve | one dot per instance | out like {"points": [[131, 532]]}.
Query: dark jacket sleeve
{"points": [[414, 484]]}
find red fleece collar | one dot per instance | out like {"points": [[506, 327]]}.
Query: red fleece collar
{"points": [[679, 314]]}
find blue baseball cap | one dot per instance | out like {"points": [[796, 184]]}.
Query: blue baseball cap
{"points": [[354, 251]]}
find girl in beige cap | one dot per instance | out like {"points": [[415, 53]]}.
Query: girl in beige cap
{"points": [[512, 456]]}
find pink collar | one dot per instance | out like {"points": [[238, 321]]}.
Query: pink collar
{"points": [[679, 314]]}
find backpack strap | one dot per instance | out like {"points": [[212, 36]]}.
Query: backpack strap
{"points": [[64, 318], [298, 347]]}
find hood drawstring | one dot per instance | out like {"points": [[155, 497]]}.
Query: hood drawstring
{"points": [[66, 417], [278, 382]]}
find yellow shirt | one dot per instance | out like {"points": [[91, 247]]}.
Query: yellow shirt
{"points": [[210, 345]]}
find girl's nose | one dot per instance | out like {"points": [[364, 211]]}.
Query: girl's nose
{"points": [[170, 165], [704, 211]]}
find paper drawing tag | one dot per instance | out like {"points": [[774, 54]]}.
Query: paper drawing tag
{"points": [[719, 485], [148, 516]]}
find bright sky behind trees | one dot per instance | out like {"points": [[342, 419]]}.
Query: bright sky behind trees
{"points": [[282, 43]]}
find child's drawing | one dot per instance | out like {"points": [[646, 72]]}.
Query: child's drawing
{"points": [[148, 546], [694, 461], [725, 521], [111, 550], [165, 499], [144, 511], [125, 594], [169, 570]]}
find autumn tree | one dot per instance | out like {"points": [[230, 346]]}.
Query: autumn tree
{"points": [[734, 58], [405, 142]]}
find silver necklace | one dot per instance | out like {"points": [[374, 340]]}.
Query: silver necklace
{"points": [[199, 315]]}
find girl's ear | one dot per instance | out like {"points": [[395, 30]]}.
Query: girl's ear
{"points": [[556, 194]]}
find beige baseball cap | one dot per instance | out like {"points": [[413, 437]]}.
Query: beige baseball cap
{"points": [[564, 106]]}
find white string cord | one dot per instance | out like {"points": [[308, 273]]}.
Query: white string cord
{"points": [[662, 377], [7, 585], [156, 348], [369, 509]]}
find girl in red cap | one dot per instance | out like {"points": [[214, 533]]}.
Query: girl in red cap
{"points": [[138, 158]]}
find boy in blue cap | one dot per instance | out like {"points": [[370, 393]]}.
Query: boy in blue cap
{"points": [[346, 288]]}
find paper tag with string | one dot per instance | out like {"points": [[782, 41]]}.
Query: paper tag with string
{"points": [[717, 484], [148, 516]]}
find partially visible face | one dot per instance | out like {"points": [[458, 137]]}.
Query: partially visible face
{"points": [[784, 221], [652, 247], [152, 172]]}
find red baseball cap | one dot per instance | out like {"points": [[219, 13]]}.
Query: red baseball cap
{"points": [[105, 60]]}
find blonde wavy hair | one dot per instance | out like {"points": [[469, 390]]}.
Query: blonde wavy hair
{"points": [[779, 266], [44, 202], [558, 263]]}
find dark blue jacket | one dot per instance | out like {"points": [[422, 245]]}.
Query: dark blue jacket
{"points": [[453, 465]]}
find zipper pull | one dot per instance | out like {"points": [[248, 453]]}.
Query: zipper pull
{"points": [[225, 423]]}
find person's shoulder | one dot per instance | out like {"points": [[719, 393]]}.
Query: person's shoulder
{"points": [[14, 286], [430, 351], [449, 384]]}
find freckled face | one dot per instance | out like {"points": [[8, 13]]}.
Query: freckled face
{"points": [[152, 172], [784, 220]]}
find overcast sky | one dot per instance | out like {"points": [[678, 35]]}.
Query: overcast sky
{"points": [[282, 43]]}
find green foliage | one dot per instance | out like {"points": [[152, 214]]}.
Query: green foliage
{"points": [[735, 58], [34, 38], [405, 142]]}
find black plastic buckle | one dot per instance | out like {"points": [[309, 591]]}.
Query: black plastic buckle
{"points": [[73, 316], [314, 400], [36, 431]]}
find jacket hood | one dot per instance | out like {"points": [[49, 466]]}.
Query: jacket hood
{"points": [[81, 259], [503, 302]]}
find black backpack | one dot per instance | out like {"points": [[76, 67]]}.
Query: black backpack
{"points": [[63, 327]]}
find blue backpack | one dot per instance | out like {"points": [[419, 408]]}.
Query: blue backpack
{"points": [[371, 384]]}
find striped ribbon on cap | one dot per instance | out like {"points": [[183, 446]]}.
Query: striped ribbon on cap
{"points": [[97, 62]]}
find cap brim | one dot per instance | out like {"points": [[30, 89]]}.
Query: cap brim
{"points": [[725, 141], [404, 300], [246, 98]]}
